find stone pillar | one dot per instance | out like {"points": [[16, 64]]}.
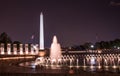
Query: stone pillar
{"points": [[8, 48], [21, 49], [32, 49], [2, 50], [26, 49], [14, 49], [36, 47]]}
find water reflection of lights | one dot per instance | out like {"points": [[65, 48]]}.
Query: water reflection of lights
{"points": [[77, 66], [99, 67], [106, 66], [71, 71], [91, 66], [114, 66]]}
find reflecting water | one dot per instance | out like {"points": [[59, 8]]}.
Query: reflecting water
{"points": [[91, 62]]}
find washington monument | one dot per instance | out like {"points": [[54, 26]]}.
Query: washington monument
{"points": [[41, 41]]}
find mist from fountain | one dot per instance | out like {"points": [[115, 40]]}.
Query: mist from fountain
{"points": [[55, 50]]}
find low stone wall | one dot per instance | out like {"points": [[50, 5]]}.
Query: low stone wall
{"points": [[22, 58]]}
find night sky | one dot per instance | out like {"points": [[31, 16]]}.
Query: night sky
{"points": [[72, 21]]}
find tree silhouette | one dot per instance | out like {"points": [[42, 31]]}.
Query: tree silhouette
{"points": [[97, 45], [4, 38], [87, 45]]}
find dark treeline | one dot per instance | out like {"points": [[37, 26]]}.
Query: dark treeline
{"points": [[115, 44]]}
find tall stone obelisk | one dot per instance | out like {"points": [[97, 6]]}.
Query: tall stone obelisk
{"points": [[41, 42]]}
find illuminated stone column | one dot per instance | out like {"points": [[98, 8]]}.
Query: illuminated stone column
{"points": [[26, 48], [21, 49], [36, 49], [14, 49], [2, 49], [41, 43], [8, 49], [32, 49]]}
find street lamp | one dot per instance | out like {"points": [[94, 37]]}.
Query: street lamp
{"points": [[92, 47]]}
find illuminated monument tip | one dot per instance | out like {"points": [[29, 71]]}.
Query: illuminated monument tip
{"points": [[41, 43], [41, 13]]}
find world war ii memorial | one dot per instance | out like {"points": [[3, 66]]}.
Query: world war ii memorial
{"points": [[35, 59]]}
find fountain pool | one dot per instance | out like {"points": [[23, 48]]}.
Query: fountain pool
{"points": [[86, 62]]}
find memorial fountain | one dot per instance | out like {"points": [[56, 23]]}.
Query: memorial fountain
{"points": [[54, 59], [55, 51], [89, 62]]}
